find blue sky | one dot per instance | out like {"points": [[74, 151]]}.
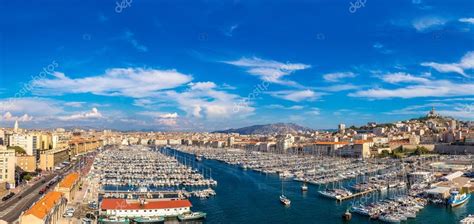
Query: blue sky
{"points": [[206, 65]]}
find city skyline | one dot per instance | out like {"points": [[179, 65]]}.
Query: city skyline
{"points": [[210, 65]]}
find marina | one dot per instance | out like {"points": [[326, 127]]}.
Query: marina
{"points": [[366, 191], [139, 184], [257, 193]]}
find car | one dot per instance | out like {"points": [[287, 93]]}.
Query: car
{"points": [[68, 215], [70, 210], [8, 196], [43, 190], [86, 221], [93, 205]]}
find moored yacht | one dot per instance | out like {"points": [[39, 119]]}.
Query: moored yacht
{"points": [[304, 187], [457, 198], [284, 200]]}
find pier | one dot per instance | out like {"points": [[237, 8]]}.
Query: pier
{"points": [[355, 195]]}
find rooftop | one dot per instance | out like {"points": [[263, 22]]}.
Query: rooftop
{"points": [[42, 207], [69, 180]]}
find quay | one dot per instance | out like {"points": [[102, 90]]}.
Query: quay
{"points": [[137, 194], [362, 193]]}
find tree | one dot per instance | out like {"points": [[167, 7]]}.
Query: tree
{"points": [[27, 177], [18, 149]]}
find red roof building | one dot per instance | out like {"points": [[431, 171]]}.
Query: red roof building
{"points": [[144, 208]]}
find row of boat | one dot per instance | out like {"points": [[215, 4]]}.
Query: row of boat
{"points": [[392, 210], [149, 220], [308, 168], [135, 167]]}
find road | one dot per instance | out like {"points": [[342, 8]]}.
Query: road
{"points": [[12, 209]]}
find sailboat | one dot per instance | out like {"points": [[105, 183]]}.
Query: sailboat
{"points": [[304, 187], [283, 199]]}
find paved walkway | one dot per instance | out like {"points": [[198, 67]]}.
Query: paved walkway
{"points": [[81, 198]]}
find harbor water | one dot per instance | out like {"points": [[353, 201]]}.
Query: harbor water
{"points": [[246, 196]]}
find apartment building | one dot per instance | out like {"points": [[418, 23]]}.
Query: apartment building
{"points": [[7, 167]]}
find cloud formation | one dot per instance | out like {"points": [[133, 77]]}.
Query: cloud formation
{"points": [[402, 77], [438, 88], [92, 114], [269, 70], [428, 23], [130, 37], [296, 95], [467, 20], [338, 76], [130, 82], [466, 63]]}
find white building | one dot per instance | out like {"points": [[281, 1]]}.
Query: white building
{"points": [[144, 208], [285, 143], [341, 128], [7, 166], [174, 141], [26, 141]]}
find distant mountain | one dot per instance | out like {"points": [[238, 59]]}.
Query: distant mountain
{"points": [[265, 129]]}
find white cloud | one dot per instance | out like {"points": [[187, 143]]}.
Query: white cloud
{"points": [[9, 117], [166, 119], [314, 111], [74, 104], [269, 70], [457, 110], [416, 109], [131, 82], [204, 100], [381, 48], [440, 88], [467, 20], [338, 88], [202, 85], [169, 115], [296, 95], [445, 68], [428, 23], [230, 32], [336, 77], [279, 106], [35, 106], [402, 77], [92, 114], [466, 63], [130, 37], [462, 111]]}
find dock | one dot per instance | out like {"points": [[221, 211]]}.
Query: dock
{"points": [[356, 195]]}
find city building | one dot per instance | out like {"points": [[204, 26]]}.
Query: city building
{"points": [[285, 143], [324, 148], [28, 142], [26, 163], [51, 158], [230, 141], [7, 167], [79, 146], [143, 208], [69, 185], [341, 128], [47, 210]]}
